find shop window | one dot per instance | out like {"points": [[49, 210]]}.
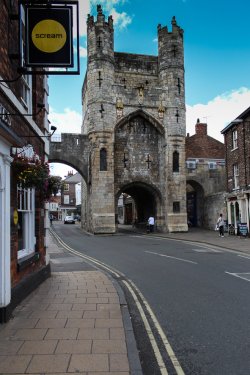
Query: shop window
{"points": [[103, 159], [175, 161], [26, 221]]}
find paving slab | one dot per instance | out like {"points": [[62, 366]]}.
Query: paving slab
{"points": [[40, 364], [61, 336], [72, 323], [89, 362]]}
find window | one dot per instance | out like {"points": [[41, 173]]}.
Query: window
{"points": [[176, 207], [66, 187], [191, 164], [235, 139], [26, 79], [26, 221], [103, 159], [26, 91], [236, 176], [212, 165], [66, 199], [175, 161]]}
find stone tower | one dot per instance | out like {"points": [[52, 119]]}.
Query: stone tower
{"points": [[134, 117]]}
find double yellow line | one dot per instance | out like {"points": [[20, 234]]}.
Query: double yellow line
{"points": [[134, 291]]}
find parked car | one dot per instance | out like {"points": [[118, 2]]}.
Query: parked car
{"points": [[69, 220]]}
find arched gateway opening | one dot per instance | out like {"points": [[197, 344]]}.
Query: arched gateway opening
{"points": [[195, 204], [135, 203], [139, 169]]}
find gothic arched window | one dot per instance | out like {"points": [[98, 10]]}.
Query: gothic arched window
{"points": [[175, 161], [103, 159]]}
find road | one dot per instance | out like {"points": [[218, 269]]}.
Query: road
{"points": [[200, 295]]}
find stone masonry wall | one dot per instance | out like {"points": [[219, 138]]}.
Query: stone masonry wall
{"points": [[150, 90]]}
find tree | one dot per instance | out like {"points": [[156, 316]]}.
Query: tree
{"points": [[54, 184]]}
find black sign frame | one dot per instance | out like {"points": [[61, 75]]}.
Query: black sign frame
{"points": [[243, 229], [32, 57]]}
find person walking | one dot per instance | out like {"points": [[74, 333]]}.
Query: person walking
{"points": [[151, 223], [220, 224], [51, 219]]}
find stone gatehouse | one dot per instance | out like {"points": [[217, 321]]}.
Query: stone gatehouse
{"points": [[133, 130], [134, 117]]}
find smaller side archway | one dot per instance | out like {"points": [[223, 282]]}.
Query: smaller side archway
{"points": [[80, 201], [136, 202], [195, 203]]}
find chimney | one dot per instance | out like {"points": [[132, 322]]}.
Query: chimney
{"points": [[200, 128]]}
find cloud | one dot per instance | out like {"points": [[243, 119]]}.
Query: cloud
{"points": [[121, 20], [83, 52], [107, 4], [68, 121], [218, 112], [84, 10], [57, 169]]}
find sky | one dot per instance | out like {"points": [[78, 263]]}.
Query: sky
{"points": [[216, 58]]}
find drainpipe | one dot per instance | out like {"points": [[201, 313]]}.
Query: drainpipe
{"points": [[245, 158], [226, 158]]}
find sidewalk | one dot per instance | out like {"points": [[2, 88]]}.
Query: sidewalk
{"points": [[77, 321], [72, 323], [210, 237]]}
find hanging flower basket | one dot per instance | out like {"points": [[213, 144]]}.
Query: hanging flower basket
{"points": [[31, 173]]}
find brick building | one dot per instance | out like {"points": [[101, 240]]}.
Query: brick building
{"points": [[23, 136], [205, 163], [237, 143], [55, 207], [69, 200]]}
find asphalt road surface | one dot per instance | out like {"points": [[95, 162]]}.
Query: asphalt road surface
{"points": [[200, 295]]}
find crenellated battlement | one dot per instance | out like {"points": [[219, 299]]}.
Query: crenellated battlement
{"points": [[170, 49], [100, 20], [134, 115], [100, 37], [176, 30]]}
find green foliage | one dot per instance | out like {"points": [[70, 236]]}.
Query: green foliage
{"points": [[54, 184], [34, 173], [31, 173]]}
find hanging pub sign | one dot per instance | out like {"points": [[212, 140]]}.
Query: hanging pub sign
{"points": [[48, 36]]}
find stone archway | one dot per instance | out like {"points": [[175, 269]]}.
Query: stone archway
{"points": [[195, 203], [72, 150], [136, 201], [139, 171]]}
